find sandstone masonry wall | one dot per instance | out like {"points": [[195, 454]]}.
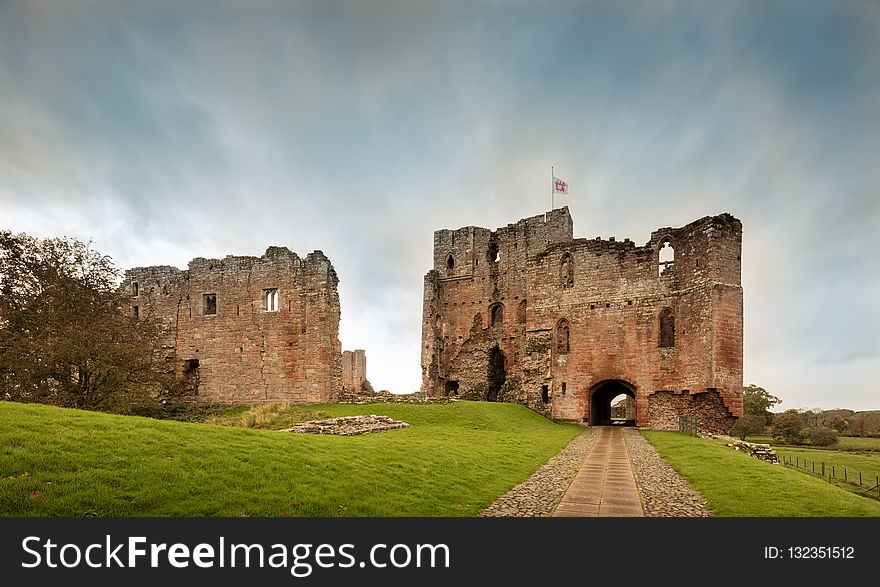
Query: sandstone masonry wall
{"points": [[354, 369], [247, 329], [569, 321]]}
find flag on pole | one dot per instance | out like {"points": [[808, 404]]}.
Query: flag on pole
{"points": [[559, 186]]}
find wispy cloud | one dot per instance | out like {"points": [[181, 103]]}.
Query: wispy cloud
{"points": [[170, 130]]}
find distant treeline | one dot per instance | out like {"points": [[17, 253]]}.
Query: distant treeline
{"points": [[845, 422]]}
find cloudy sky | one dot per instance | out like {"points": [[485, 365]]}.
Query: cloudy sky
{"points": [[169, 130]]}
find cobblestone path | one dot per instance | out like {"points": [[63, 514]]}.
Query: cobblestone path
{"points": [[662, 491], [538, 495]]}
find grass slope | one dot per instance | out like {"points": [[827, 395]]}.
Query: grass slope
{"points": [[848, 443], [735, 484], [866, 464], [453, 460]]}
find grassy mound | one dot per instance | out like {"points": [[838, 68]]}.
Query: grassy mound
{"points": [[453, 460], [735, 484]]}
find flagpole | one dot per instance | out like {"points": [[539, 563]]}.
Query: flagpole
{"points": [[551, 189]]}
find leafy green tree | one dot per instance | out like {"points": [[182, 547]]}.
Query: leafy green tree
{"points": [[757, 402], [787, 427], [839, 425], [67, 336], [748, 425], [821, 436]]}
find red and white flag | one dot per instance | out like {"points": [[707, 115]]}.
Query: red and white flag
{"points": [[559, 186]]}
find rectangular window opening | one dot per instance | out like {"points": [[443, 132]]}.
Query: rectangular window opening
{"points": [[270, 299], [209, 304], [135, 311], [134, 289]]}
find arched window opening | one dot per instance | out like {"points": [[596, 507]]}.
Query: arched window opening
{"points": [[521, 313], [562, 337], [667, 257], [566, 271], [450, 263], [496, 315], [667, 328]]}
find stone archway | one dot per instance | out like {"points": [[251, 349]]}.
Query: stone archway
{"points": [[601, 395], [497, 373]]}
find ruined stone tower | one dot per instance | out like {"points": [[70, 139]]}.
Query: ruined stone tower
{"points": [[354, 369], [247, 329], [529, 314]]}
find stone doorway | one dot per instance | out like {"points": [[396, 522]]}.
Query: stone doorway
{"points": [[601, 397], [497, 373]]}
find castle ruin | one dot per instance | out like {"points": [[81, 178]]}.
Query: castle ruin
{"points": [[528, 314], [247, 329], [354, 370]]}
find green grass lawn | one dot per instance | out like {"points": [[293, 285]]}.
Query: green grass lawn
{"points": [[453, 460], [849, 443], [735, 484], [867, 464]]}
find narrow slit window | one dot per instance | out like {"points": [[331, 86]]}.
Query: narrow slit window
{"points": [[135, 311], [667, 329], [134, 289], [270, 299]]}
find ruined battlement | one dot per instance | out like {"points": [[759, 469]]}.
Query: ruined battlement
{"points": [[473, 250], [246, 329], [558, 315]]}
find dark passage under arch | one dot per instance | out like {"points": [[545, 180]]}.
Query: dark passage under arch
{"points": [[497, 373], [600, 401]]}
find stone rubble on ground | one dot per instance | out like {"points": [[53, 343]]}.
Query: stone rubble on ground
{"points": [[386, 397], [760, 451], [539, 494], [663, 491], [348, 425]]}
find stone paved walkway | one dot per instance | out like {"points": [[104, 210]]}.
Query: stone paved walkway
{"points": [[605, 484]]}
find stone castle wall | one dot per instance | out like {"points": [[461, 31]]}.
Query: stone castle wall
{"points": [[354, 369], [571, 320], [247, 329]]}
